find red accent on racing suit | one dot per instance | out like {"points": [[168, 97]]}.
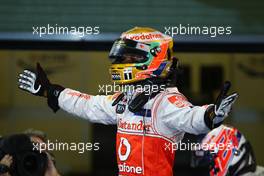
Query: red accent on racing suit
{"points": [[144, 142]]}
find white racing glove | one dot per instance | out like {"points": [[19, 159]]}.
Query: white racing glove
{"points": [[224, 108], [215, 114], [37, 83], [30, 82]]}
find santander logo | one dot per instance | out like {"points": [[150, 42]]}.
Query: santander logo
{"points": [[124, 149]]}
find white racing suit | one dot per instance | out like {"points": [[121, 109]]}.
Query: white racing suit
{"points": [[144, 140]]}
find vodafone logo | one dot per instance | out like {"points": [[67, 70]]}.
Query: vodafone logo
{"points": [[124, 149], [144, 36]]}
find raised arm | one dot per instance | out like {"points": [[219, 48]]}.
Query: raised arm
{"points": [[97, 109], [180, 115]]}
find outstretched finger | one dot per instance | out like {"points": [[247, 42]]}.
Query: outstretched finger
{"points": [[228, 101], [232, 97], [33, 75], [24, 87], [23, 81], [29, 78]]}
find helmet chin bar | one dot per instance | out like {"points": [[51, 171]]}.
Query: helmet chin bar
{"points": [[143, 67], [170, 79]]}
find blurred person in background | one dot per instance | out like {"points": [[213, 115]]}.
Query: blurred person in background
{"points": [[228, 153], [10, 144], [5, 164], [150, 113], [36, 135], [40, 137]]}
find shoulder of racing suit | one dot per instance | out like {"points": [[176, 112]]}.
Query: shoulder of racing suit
{"points": [[159, 110], [173, 115]]}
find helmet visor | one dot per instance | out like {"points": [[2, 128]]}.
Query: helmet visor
{"points": [[128, 51]]}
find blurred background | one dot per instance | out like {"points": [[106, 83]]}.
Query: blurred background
{"points": [[81, 62]]}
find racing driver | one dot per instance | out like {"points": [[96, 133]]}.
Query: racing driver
{"points": [[150, 115]]}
